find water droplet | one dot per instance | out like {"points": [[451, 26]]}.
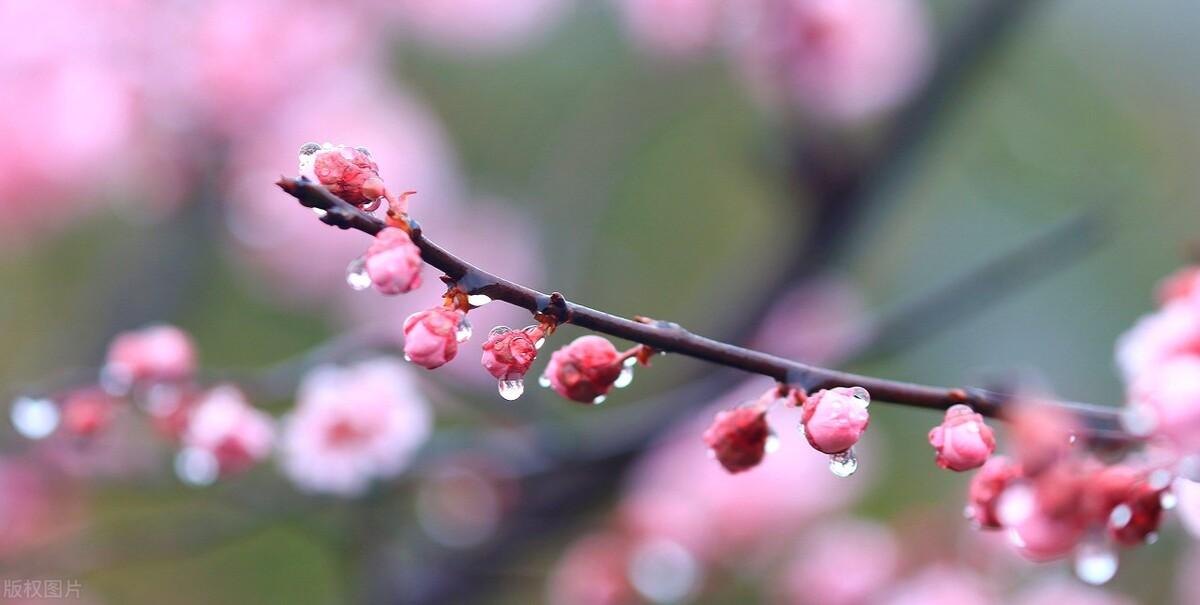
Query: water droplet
{"points": [[1138, 419], [478, 300], [1072, 438], [356, 274], [625, 378], [800, 427], [773, 443], [463, 332], [1017, 502], [969, 512], [540, 342], [364, 150], [843, 464], [599, 400], [1152, 538], [498, 330], [1095, 562], [629, 363], [347, 154], [320, 212], [34, 417], [1159, 479], [407, 358], [1168, 500], [1120, 516], [196, 466], [1189, 468], [511, 390], [308, 156], [663, 571], [860, 393]]}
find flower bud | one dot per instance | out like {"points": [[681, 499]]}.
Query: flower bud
{"points": [[87, 411], [585, 369], [983, 495], [394, 262], [507, 354], [347, 172], [738, 437], [159, 353], [962, 441], [430, 336], [834, 419]]}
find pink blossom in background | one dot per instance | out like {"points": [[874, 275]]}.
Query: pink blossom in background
{"points": [[302, 259], [822, 321], [476, 27], [225, 425], [941, 585], [353, 425], [157, 353], [1187, 576], [34, 504], [1067, 592], [841, 562], [1169, 394], [844, 60], [672, 28], [677, 492], [593, 572], [1188, 493], [1181, 285], [1170, 332]]}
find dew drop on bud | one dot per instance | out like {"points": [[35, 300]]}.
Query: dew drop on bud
{"points": [[800, 427], [1139, 420], [773, 443], [1095, 562], [196, 466], [1159, 479], [544, 381], [308, 156], [34, 417], [599, 400], [1120, 516], [478, 300], [407, 358], [1168, 500], [843, 464], [860, 393], [498, 330], [356, 274], [629, 363], [511, 390], [364, 150], [319, 212], [538, 345], [625, 378], [463, 332]]}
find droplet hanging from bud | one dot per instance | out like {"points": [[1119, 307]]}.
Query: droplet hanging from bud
{"points": [[478, 300], [599, 400], [1095, 562], [773, 442], [463, 332], [511, 390], [843, 464], [544, 381], [197, 467], [625, 378], [34, 417], [319, 212], [356, 274]]}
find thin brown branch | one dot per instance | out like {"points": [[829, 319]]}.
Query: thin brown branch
{"points": [[1102, 421]]}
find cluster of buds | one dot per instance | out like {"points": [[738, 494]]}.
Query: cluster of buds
{"points": [[1054, 501]]}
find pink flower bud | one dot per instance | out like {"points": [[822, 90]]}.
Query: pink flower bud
{"points": [[962, 441], [834, 419], [159, 353], [87, 411], [507, 354], [1183, 284], [431, 336], [225, 425], [585, 369], [394, 262], [347, 172], [738, 437], [983, 496]]}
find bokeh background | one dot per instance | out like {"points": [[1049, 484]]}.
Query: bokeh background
{"points": [[640, 157]]}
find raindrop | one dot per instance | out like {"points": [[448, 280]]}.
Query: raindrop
{"points": [[544, 381], [407, 358], [356, 274], [196, 466], [625, 378], [463, 332], [511, 390], [860, 393], [540, 342], [663, 571], [1120, 516], [773, 443], [1095, 562], [1016, 504], [843, 464], [629, 363], [346, 153], [1152, 538], [1072, 438], [969, 513], [1159, 479], [1139, 420], [320, 212], [498, 330], [800, 427], [1168, 500], [34, 417], [364, 150], [599, 399], [308, 156], [478, 300]]}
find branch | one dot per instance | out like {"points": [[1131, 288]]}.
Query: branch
{"points": [[1102, 421]]}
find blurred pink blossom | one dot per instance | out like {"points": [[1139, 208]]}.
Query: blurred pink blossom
{"points": [[1170, 395], [672, 28], [941, 585], [156, 353], [842, 562], [1065, 592], [235, 433], [1188, 493], [352, 425], [33, 504], [840, 59], [822, 321], [476, 26], [593, 572], [1170, 332]]}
